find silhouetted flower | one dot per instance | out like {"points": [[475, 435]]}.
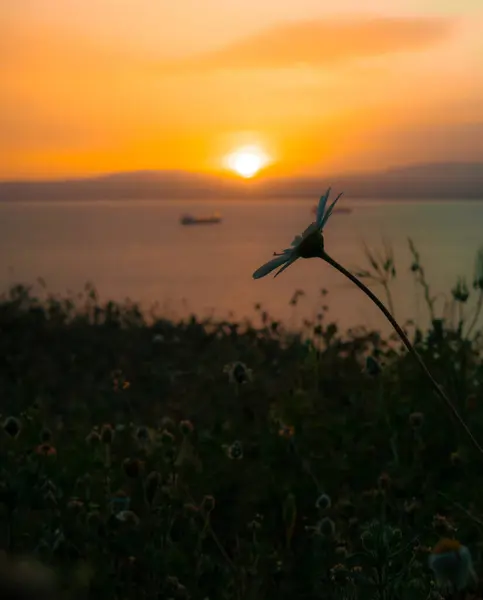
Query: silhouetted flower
{"points": [[208, 503], [107, 434], [93, 439], [452, 565], [308, 245], [325, 527], [142, 435], [286, 431], [186, 427], [416, 420], [128, 516], [460, 291], [45, 435], [373, 368], [12, 427], [46, 450], [384, 481], [238, 372], [120, 501], [235, 451], [167, 437], [323, 502], [132, 467]]}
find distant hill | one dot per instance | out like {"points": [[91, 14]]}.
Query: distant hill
{"points": [[436, 181]]}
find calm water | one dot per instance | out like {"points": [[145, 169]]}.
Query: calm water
{"points": [[138, 250]]}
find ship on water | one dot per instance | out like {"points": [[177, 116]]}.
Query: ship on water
{"points": [[188, 219]]}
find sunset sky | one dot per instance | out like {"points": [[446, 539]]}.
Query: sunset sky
{"points": [[92, 86]]}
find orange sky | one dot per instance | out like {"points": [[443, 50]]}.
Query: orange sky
{"points": [[105, 85]]}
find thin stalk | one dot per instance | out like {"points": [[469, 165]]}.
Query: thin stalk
{"points": [[404, 338], [479, 306]]}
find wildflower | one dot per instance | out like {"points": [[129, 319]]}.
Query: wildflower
{"points": [[325, 527], [323, 502], [132, 467], [238, 372], [120, 501], [46, 450], [460, 291], [12, 427], [452, 565], [411, 506], [93, 519], [142, 435], [338, 573], [384, 481], [45, 436], [128, 516], [167, 437], [308, 245], [373, 368], [455, 459], [235, 451], [286, 431], [93, 439], [168, 424], [440, 522], [416, 420], [153, 482], [107, 434], [341, 550], [75, 504], [208, 503], [186, 427]]}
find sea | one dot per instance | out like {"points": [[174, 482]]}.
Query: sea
{"points": [[138, 250]]}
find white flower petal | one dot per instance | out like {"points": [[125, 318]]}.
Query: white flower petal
{"points": [[270, 266], [321, 208], [286, 265], [329, 211]]}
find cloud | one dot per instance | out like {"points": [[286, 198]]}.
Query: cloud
{"points": [[319, 43]]}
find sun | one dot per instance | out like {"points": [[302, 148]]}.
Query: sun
{"points": [[247, 161]]}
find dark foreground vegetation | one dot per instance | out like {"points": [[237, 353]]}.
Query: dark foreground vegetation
{"points": [[142, 458]]}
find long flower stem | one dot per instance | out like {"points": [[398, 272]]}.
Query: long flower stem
{"points": [[479, 306], [437, 388]]}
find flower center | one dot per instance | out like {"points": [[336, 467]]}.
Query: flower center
{"points": [[312, 246]]}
